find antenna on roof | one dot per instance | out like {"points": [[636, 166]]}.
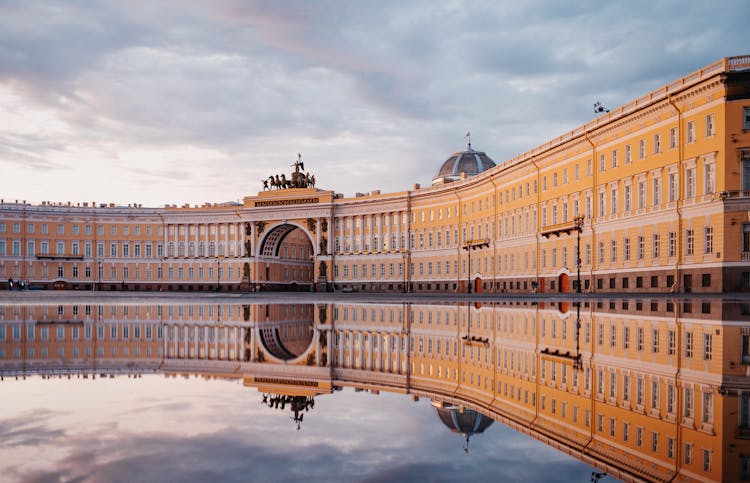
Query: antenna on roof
{"points": [[468, 139]]}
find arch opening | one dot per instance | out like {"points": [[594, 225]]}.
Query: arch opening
{"points": [[285, 259]]}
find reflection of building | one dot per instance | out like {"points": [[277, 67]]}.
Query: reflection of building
{"points": [[466, 422], [662, 184], [643, 389]]}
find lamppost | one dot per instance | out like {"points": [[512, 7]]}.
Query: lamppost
{"points": [[218, 273], [579, 228], [469, 246], [99, 275]]}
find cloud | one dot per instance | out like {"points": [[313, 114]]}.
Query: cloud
{"points": [[381, 93]]}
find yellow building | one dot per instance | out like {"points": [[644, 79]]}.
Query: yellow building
{"points": [[656, 189], [649, 390]]}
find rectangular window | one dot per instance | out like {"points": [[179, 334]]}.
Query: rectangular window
{"points": [[710, 131], [670, 342], [657, 143], [628, 154], [672, 178], [690, 190], [672, 138], [672, 244], [707, 346], [641, 247], [642, 149], [657, 191], [689, 241], [708, 239], [688, 344], [655, 246], [690, 132]]}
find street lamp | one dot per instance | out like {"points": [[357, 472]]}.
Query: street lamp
{"points": [[218, 273], [579, 228]]}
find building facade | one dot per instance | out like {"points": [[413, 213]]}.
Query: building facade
{"points": [[650, 197]]}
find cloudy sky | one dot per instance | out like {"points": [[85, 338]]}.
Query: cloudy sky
{"points": [[185, 102]]}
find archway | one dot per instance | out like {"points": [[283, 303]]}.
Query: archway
{"points": [[564, 283], [285, 259]]}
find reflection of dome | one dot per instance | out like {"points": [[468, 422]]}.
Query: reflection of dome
{"points": [[467, 421], [470, 162]]}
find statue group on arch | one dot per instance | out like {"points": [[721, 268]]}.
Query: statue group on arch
{"points": [[297, 179]]}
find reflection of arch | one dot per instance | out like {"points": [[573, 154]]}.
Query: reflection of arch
{"points": [[287, 341], [271, 243]]}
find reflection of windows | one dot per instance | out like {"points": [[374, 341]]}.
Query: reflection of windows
{"points": [[746, 349], [745, 162]]}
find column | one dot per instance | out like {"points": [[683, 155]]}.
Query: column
{"points": [[341, 348], [388, 353], [204, 331], [316, 248], [216, 239], [398, 230], [238, 235], [205, 239], [380, 231], [226, 343], [185, 343], [166, 239], [197, 239], [341, 233], [226, 237], [195, 344]]}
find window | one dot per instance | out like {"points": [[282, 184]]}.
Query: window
{"points": [[614, 158], [710, 131], [655, 340], [642, 149], [641, 195], [745, 156], [707, 346], [670, 342], [657, 143], [657, 191], [673, 138], [690, 132], [627, 198], [641, 247], [689, 241], [688, 454], [690, 191], [688, 344], [672, 244], [672, 179], [628, 154], [708, 239], [655, 246], [709, 178]]}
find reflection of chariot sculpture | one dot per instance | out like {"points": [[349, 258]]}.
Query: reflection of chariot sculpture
{"points": [[297, 179]]}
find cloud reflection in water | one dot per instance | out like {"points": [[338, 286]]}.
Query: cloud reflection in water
{"points": [[164, 429]]}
